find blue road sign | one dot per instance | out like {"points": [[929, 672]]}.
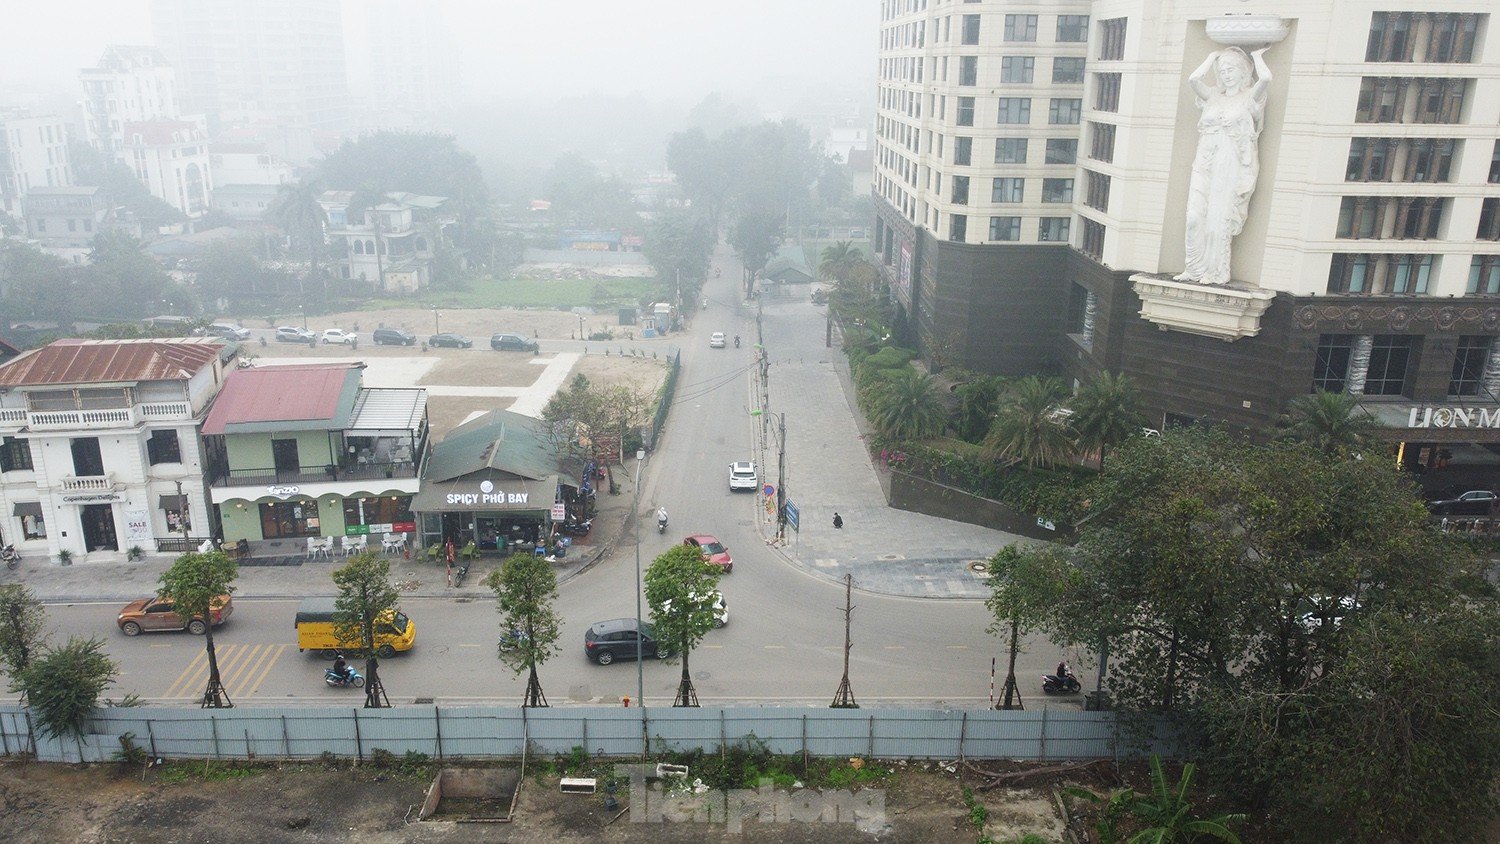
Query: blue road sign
{"points": [[792, 515]]}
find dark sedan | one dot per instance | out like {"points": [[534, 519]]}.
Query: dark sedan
{"points": [[1475, 502], [450, 341]]}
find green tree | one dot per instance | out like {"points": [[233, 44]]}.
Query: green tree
{"points": [[679, 245], [417, 162], [35, 284], [1106, 412], [680, 589], [1024, 584], [1166, 813], [23, 621], [838, 261], [525, 587], [297, 212], [1029, 425], [63, 685], [1333, 423], [705, 171], [124, 280], [366, 600], [196, 583], [755, 237], [907, 406], [977, 401]]}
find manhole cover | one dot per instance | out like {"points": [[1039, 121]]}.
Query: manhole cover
{"points": [[463, 600], [891, 557], [979, 567]]}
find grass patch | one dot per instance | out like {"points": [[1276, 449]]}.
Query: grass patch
{"points": [[207, 771], [562, 294]]}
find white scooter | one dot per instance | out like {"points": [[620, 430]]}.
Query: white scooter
{"points": [[661, 521]]}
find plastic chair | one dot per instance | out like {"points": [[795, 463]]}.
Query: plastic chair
{"points": [[312, 547]]}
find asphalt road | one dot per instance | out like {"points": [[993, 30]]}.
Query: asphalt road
{"points": [[783, 643]]}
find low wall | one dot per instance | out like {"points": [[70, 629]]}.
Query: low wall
{"points": [[919, 495]]}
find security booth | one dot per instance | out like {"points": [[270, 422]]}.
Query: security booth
{"points": [[498, 482]]}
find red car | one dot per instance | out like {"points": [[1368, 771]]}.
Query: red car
{"points": [[713, 551]]}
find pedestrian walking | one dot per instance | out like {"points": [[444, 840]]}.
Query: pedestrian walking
{"points": [[838, 521]]}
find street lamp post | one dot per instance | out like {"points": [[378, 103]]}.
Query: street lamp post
{"points": [[303, 311], [437, 325]]}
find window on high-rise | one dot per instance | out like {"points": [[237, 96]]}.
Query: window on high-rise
{"points": [[965, 116], [1005, 228], [963, 150], [1008, 189], [1489, 219], [1098, 190], [1107, 91], [1017, 69], [1393, 99], [1484, 275], [1067, 70], [1053, 229], [1391, 217], [1468, 365], [1331, 367], [1495, 164], [15, 455], [1062, 151], [958, 228], [1380, 274], [960, 185], [1020, 27], [1073, 28], [968, 70], [970, 32], [1092, 243], [1112, 39], [1015, 110], [1102, 141], [1064, 111], [1010, 150], [1057, 190]]}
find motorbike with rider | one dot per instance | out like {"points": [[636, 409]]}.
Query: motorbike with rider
{"points": [[661, 519]]}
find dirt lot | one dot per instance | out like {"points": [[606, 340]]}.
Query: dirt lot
{"points": [[477, 323], [311, 803]]}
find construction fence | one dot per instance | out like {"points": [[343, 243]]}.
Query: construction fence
{"points": [[481, 732]]}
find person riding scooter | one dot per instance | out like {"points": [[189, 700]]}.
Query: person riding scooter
{"points": [[736, 341], [661, 520], [341, 668]]}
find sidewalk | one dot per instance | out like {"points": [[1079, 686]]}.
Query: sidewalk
{"points": [[828, 470], [293, 577]]}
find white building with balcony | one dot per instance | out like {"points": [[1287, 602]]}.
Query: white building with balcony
{"points": [[99, 446], [392, 245], [129, 85]]}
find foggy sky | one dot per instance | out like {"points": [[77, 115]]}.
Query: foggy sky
{"points": [[523, 48]]}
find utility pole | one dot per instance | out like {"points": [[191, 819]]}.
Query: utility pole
{"points": [[844, 697]]}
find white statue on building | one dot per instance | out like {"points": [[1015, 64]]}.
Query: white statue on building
{"points": [[1232, 102]]}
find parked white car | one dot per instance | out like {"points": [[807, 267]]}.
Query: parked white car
{"points": [[339, 335]]}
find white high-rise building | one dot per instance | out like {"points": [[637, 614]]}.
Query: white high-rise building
{"points": [[129, 85], [1037, 196], [414, 65], [33, 154], [283, 58]]}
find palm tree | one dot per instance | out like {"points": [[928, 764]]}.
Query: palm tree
{"points": [[297, 212], [1106, 412], [1031, 424], [1330, 422], [907, 406], [838, 260]]}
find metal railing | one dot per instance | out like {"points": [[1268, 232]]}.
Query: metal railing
{"points": [[265, 476]]}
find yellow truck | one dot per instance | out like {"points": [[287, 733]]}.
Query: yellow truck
{"points": [[394, 632]]}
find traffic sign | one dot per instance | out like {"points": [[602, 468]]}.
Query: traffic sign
{"points": [[559, 511], [792, 516], [770, 490]]}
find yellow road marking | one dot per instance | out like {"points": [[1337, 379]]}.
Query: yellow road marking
{"points": [[467, 645], [194, 667], [775, 647], [242, 669], [255, 677]]}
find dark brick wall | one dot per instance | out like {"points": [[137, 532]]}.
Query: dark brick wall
{"points": [[918, 495]]}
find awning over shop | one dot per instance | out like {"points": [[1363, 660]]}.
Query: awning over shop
{"points": [[29, 508], [472, 495], [172, 502]]}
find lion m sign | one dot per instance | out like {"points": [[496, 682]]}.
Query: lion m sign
{"points": [[1454, 417]]}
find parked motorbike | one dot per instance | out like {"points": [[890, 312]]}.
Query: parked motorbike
{"points": [[461, 572], [12, 559], [579, 528], [1064, 685], [333, 679]]}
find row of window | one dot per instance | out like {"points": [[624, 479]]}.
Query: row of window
{"points": [[1061, 111], [85, 225], [1392, 363], [1407, 217], [1015, 150], [1399, 99], [1021, 70], [1422, 37], [1049, 229], [88, 460], [1011, 190], [1382, 274]]}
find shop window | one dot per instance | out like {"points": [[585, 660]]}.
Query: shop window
{"points": [[33, 524], [15, 455], [378, 510], [1390, 356], [1468, 365], [163, 447], [1332, 365]]}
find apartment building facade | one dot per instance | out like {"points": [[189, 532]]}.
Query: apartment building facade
{"points": [[33, 154], [1367, 261], [99, 446], [128, 85]]}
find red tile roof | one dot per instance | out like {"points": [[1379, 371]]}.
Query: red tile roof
{"points": [[290, 393], [110, 361]]}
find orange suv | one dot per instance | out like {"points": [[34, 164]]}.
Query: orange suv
{"points": [[159, 613]]}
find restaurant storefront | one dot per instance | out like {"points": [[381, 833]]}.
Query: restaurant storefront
{"points": [[291, 513], [1450, 447], [499, 513]]}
